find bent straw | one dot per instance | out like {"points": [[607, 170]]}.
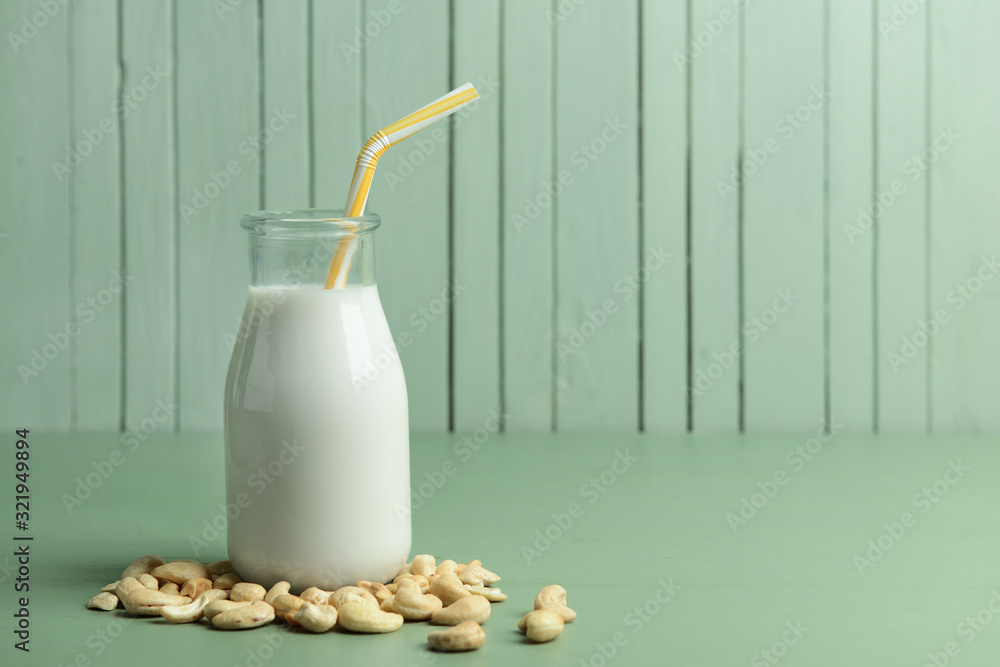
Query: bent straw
{"points": [[368, 158]]}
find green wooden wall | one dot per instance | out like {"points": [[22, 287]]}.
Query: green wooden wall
{"points": [[663, 215]]}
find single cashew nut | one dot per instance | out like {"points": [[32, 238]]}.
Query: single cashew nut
{"points": [[392, 588], [246, 592], [423, 565], [252, 615], [280, 588], [144, 602], [541, 625], [219, 568], [554, 597], [412, 605], [361, 617], [110, 588], [379, 591], [472, 575], [316, 617], [467, 636], [473, 608], [192, 612], [216, 607], [449, 588], [285, 604], [315, 595], [338, 596], [491, 594], [104, 601], [179, 571], [171, 588], [126, 586], [446, 567], [143, 565], [195, 587], [149, 581], [226, 581]]}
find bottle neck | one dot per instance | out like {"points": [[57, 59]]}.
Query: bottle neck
{"points": [[305, 262]]}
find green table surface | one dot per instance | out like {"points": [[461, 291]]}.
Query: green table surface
{"points": [[657, 568]]}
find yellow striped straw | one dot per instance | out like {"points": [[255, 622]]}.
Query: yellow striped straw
{"points": [[357, 196]]}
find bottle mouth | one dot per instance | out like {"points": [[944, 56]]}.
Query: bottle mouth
{"points": [[307, 223]]}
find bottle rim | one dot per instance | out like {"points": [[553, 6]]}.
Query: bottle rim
{"points": [[308, 222]]}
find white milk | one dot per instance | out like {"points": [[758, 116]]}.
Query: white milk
{"points": [[317, 441]]}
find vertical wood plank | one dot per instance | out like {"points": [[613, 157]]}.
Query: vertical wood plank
{"points": [[664, 212], [901, 221], [410, 192], [286, 87], [528, 286], [715, 255], [783, 235], [475, 192], [964, 235], [35, 249], [597, 217], [336, 90], [96, 216], [850, 146], [150, 214], [217, 127]]}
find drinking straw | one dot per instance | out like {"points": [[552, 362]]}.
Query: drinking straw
{"points": [[373, 149]]}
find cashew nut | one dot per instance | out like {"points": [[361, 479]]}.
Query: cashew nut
{"points": [[541, 625], [104, 601], [412, 605], [110, 588], [280, 588], [126, 586], [448, 588], [315, 595], [245, 592], [379, 591], [171, 588], [473, 608], [361, 617], [192, 612], [143, 565], [392, 588], [446, 567], [467, 636], [179, 571], [285, 603], [252, 615], [554, 597], [337, 598], [144, 602], [316, 617], [226, 581], [195, 587], [491, 594], [219, 568], [422, 565], [216, 607], [149, 581]]}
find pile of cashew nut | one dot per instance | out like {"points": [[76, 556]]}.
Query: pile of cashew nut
{"points": [[446, 593]]}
